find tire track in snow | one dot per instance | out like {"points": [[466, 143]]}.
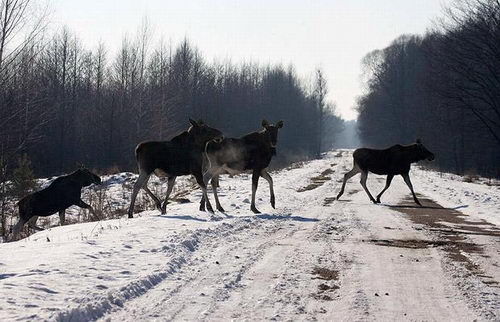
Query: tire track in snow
{"points": [[183, 248], [190, 293], [220, 262], [391, 283]]}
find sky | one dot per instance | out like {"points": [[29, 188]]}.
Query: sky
{"points": [[332, 35]]}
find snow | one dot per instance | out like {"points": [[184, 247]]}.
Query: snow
{"points": [[311, 258], [480, 199]]}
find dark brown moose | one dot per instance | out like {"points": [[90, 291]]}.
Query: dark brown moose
{"points": [[62, 193], [395, 160], [235, 155], [180, 156]]}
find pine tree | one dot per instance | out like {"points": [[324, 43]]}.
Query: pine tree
{"points": [[23, 178]]}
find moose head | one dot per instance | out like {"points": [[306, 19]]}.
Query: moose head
{"points": [[272, 131], [85, 177], [203, 133], [422, 152]]}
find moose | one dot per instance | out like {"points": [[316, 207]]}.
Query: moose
{"points": [[235, 155], [180, 156], [62, 193], [395, 160]]}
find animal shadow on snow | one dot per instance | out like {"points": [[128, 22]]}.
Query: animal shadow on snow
{"points": [[286, 216], [6, 275], [260, 216], [182, 217], [425, 207]]}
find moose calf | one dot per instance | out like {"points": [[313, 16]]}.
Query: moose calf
{"points": [[62, 193]]}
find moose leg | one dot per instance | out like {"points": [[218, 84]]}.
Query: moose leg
{"points": [[62, 217], [143, 177], [82, 204], [364, 176], [206, 178], [17, 228], [387, 184], [215, 185], [406, 178], [255, 183], [203, 186], [152, 195], [202, 203], [264, 174], [170, 187], [32, 223], [348, 176]]}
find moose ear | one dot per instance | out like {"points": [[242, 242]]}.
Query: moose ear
{"points": [[193, 122], [279, 125], [419, 141], [265, 123]]}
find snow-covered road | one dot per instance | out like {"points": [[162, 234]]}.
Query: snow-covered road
{"points": [[311, 258]]}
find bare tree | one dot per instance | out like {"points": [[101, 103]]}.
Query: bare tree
{"points": [[21, 25], [320, 91]]}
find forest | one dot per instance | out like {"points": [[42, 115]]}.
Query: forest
{"points": [[443, 87], [62, 104]]}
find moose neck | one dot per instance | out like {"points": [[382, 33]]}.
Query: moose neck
{"points": [[187, 138], [411, 153], [76, 177], [266, 137]]}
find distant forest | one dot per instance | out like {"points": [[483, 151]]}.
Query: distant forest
{"points": [[443, 87], [62, 104]]}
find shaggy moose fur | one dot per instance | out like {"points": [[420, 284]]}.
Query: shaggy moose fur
{"points": [[180, 156], [235, 155], [62, 193], [395, 160]]}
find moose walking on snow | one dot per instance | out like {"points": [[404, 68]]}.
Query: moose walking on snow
{"points": [[252, 152], [178, 157], [395, 160], [62, 193]]}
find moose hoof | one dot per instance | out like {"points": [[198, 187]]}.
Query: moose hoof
{"points": [[273, 203], [374, 201], [202, 208], [130, 216], [221, 209], [255, 211], [378, 200]]}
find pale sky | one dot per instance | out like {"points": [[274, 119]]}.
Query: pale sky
{"points": [[333, 35]]}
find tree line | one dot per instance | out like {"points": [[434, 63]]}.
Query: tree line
{"points": [[62, 104], [443, 87]]}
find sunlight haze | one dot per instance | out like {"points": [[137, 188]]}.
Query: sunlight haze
{"points": [[333, 35]]}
